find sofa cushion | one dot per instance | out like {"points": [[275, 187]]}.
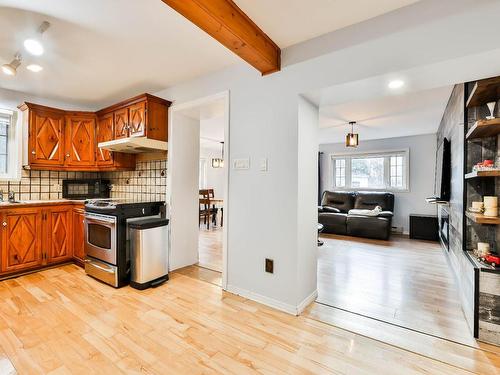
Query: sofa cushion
{"points": [[369, 200], [333, 222], [371, 227], [342, 200], [331, 209]]}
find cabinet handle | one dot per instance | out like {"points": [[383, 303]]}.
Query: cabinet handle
{"points": [[4, 223], [33, 152], [67, 155]]}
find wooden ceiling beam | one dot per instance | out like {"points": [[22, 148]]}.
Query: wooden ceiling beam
{"points": [[228, 24]]}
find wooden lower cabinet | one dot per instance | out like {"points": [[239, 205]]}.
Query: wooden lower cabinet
{"points": [[21, 239], [58, 234], [39, 236], [78, 235]]}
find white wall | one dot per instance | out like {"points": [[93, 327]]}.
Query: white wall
{"points": [[11, 99], [263, 211], [422, 167], [307, 213], [183, 194], [215, 176]]}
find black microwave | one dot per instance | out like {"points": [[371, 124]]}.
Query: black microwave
{"points": [[86, 188]]}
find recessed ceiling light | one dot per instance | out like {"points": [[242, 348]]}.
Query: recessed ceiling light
{"points": [[34, 68], [33, 46], [396, 84], [11, 68]]}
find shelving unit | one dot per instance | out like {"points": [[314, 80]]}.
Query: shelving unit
{"points": [[481, 219], [481, 141], [484, 91], [484, 128], [475, 174]]}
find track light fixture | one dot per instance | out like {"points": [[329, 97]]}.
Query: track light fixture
{"points": [[11, 68]]}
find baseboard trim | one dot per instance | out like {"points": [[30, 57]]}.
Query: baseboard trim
{"points": [[271, 302], [307, 301]]}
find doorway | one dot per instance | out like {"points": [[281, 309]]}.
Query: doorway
{"points": [[198, 178]]}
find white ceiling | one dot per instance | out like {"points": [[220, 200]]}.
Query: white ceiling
{"points": [[288, 22], [98, 52], [406, 114]]}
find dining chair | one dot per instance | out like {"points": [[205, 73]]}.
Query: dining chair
{"points": [[206, 212]]}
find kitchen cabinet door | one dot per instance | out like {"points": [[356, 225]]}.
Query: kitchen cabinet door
{"points": [[121, 123], [58, 234], [137, 119], [21, 239], [80, 143], [78, 234], [46, 138], [105, 131]]}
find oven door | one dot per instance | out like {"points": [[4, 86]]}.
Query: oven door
{"points": [[100, 237]]}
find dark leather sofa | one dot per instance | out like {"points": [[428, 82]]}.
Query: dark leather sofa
{"points": [[335, 205]]}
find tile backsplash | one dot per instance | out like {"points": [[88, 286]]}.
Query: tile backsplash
{"points": [[148, 182]]}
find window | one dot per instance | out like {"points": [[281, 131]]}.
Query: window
{"points": [[340, 172], [10, 146], [371, 171], [5, 120]]}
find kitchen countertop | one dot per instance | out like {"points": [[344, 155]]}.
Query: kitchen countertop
{"points": [[32, 203]]}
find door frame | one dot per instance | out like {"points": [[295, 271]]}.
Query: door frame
{"points": [[225, 95]]}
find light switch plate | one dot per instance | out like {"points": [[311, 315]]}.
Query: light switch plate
{"points": [[241, 163], [263, 164]]}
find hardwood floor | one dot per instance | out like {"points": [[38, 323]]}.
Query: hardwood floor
{"points": [[60, 321], [403, 282], [210, 248], [201, 273]]}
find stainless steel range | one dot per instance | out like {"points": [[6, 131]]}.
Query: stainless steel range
{"points": [[106, 236]]}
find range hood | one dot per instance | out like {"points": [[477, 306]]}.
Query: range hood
{"points": [[134, 145]]}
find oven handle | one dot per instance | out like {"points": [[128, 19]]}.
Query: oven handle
{"points": [[99, 267], [101, 218]]}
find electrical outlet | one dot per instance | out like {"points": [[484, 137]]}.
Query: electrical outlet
{"points": [[269, 265]]}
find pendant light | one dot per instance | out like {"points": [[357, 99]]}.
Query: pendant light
{"points": [[351, 139], [219, 162]]}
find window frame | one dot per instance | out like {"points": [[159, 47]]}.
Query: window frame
{"points": [[14, 147], [202, 173], [386, 154]]}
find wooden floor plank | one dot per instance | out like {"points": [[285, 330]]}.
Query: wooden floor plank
{"points": [[403, 282], [184, 326]]}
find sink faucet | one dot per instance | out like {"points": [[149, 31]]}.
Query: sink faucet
{"points": [[12, 196]]}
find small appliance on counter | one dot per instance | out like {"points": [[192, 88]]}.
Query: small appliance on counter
{"points": [[91, 188], [107, 236], [148, 252]]}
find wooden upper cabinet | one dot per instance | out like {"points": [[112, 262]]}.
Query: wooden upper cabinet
{"points": [[105, 129], [66, 140], [46, 137], [58, 234], [142, 116], [80, 140], [121, 123], [137, 119], [21, 239]]}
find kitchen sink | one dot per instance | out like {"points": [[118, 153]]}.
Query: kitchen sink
{"points": [[13, 202]]}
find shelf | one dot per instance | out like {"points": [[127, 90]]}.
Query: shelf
{"points": [[484, 128], [482, 265], [494, 173], [481, 219], [484, 91]]}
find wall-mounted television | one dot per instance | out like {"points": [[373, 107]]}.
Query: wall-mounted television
{"points": [[442, 179]]}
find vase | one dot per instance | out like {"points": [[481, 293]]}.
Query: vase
{"points": [[491, 106]]}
